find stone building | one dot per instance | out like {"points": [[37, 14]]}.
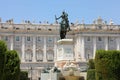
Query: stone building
{"points": [[36, 43]]}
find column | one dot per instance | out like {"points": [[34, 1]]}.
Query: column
{"points": [[34, 49], [82, 49], [23, 49], [117, 43], [11, 41], [55, 49], [94, 46], [77, 49], [106, 43], [44, 59]]}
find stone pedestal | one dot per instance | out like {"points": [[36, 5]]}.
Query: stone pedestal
{"points": [[64, 52], [72, 78], [50, 76]]}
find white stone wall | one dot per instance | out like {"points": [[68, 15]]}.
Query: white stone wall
{"points": [[36, 43]]}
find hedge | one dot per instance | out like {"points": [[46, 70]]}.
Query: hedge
{"points": [[91, 70], [23, 75], [107, 65], [91, 64], [91, 74], [3, 49], [12, 65]]}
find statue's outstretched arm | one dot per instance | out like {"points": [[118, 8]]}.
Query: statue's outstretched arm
{"points": [[58, 17]]}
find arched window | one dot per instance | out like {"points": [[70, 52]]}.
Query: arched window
{"points": [[50, 55], [28, 56], [39, 55]]}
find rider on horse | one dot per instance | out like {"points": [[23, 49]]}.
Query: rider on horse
{"points": [[64, 25]]}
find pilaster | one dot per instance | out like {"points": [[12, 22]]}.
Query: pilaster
{"points": [[11, 41], [44, 59], [82, 49], [23, 48], [94, 46], [55, 48], [117, 43], [106, 43], [34, 49], [77, 49]]}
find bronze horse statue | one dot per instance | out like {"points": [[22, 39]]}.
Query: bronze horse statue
{"points": [[64, 25]]}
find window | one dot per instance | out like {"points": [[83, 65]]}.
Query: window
{"points": [[50, 40], [17, 38], [17, 28], [6, 38], [99, 39], [28, 56], [50, 55], [28, 28], [88, 38], [111, 39], [50, 29], [39, 56], [39, 28], [100, 27], [39, 39], [28, 38]]}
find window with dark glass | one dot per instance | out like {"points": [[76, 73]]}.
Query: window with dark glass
{"points": [[17, 38], [6, 38], [100, 27], [28, 38], [99, 39], [88, 38], [39, 39]]}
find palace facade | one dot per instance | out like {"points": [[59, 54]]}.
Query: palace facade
{"points": [[36, 43]]}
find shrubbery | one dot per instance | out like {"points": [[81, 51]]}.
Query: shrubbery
{"points": [[91, 74], [107, 65], [12, 65], [91, 70], [23, 75], [91, 64], [9, 63], [3, 49]]}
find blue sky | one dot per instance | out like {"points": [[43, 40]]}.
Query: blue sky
{"points": [[45, 10]]}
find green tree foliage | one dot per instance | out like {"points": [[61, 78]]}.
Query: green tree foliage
{"points": [[3, 49], [107, 65], [91, 70], [23, 75], [91, 64], [91, 74], [12, 65]]}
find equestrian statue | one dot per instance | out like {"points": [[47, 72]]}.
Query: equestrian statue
{"points": [[64, 24]]}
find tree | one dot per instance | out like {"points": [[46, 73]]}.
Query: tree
{"points": [[12, 65], [91, 64], [91, 70], [23, 75], [3, 49], [107, 65]]}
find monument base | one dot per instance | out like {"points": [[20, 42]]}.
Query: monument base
{"points": [[64, 52], [60, 64], [50, 76], [65, 62], [71, 78]]}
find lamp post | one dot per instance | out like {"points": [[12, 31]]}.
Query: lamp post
{"points": [[88, 56]]}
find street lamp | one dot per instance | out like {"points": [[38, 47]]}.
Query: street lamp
{"points": [[88, 56]]}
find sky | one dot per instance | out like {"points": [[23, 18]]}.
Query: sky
{"points": [[45, 10]]}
